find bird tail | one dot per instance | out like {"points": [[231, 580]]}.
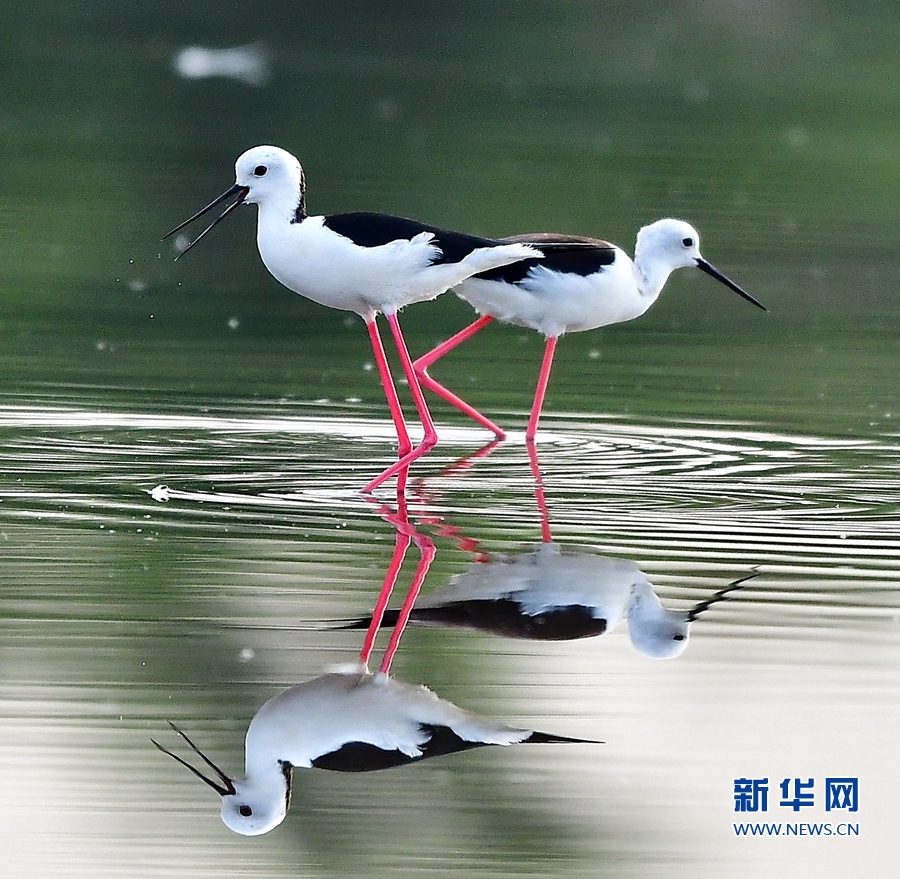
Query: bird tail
{"points": [[391, 615], [541, 738], [483, 259]]}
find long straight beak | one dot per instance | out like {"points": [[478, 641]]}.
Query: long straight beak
{"points": [[237, 189], [710, 269], [226, 788]]}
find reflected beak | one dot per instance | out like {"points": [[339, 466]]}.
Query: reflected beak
{"points": [[702, 264], [226, 788], [238, 190], [722, 594]]}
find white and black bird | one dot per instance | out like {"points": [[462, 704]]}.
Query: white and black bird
{"points": [[366, 263], [555, 592], [580, 284], [347, 721]]}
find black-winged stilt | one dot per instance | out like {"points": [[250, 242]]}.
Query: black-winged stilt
{"points": [[581, 284], [361, 262]]}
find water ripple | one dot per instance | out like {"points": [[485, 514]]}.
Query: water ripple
{"points": [[682, 500]]}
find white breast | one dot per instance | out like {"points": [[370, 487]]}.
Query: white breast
{"points": [[559, 302], [546, 578], [322, 715], [328, 268]]}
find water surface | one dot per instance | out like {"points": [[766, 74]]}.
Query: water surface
{"points": [[126, 606]]}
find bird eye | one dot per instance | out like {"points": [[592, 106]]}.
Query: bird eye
{"points": [[260, 171], [687, 242], [678, 637], [245, 811]]}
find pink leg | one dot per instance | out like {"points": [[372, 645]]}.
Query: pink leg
{"points": [[404, 446], [541, 389], [546, 536], [390, 391], [429, 440], [437, 353], [421, 367]]}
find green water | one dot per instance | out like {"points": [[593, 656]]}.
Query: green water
{"points": [[702, 441]]}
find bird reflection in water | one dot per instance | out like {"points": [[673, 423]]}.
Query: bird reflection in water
{"points": [[556, 592], [349, 720]]}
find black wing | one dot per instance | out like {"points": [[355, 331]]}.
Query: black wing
{"points": [[364, 757], [373, 230], [503, 616], [570, 254]]}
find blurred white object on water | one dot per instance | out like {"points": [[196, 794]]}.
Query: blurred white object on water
{"points": [[249, 63]]}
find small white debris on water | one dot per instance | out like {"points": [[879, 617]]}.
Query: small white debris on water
{"points": [[386, 109], [160, 493], [181, 243], [695, 92], [797, 137]]}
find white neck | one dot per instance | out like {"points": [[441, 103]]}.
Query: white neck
{"points": [[651, 277], [278, 210]]}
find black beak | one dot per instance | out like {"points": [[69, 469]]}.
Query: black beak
{"points": [[721, 595], [238, 190], [225, 789], [702, 264]]}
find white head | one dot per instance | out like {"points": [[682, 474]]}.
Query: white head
{"points": [[661, 633], [249, 807], [674, 243], [654, 630], [271, 174], [254, 808], [265, 175], [667, 245]]}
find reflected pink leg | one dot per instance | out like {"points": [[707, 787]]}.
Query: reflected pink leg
{"points": [[421, 367], [429, 440], [427, 548], [541, 389], [453, 532], [390, 579], [467, 461], [546, 536]]}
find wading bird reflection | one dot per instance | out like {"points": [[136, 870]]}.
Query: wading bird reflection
{"points": [[351, 720], [347, 721], [555, 592]]}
